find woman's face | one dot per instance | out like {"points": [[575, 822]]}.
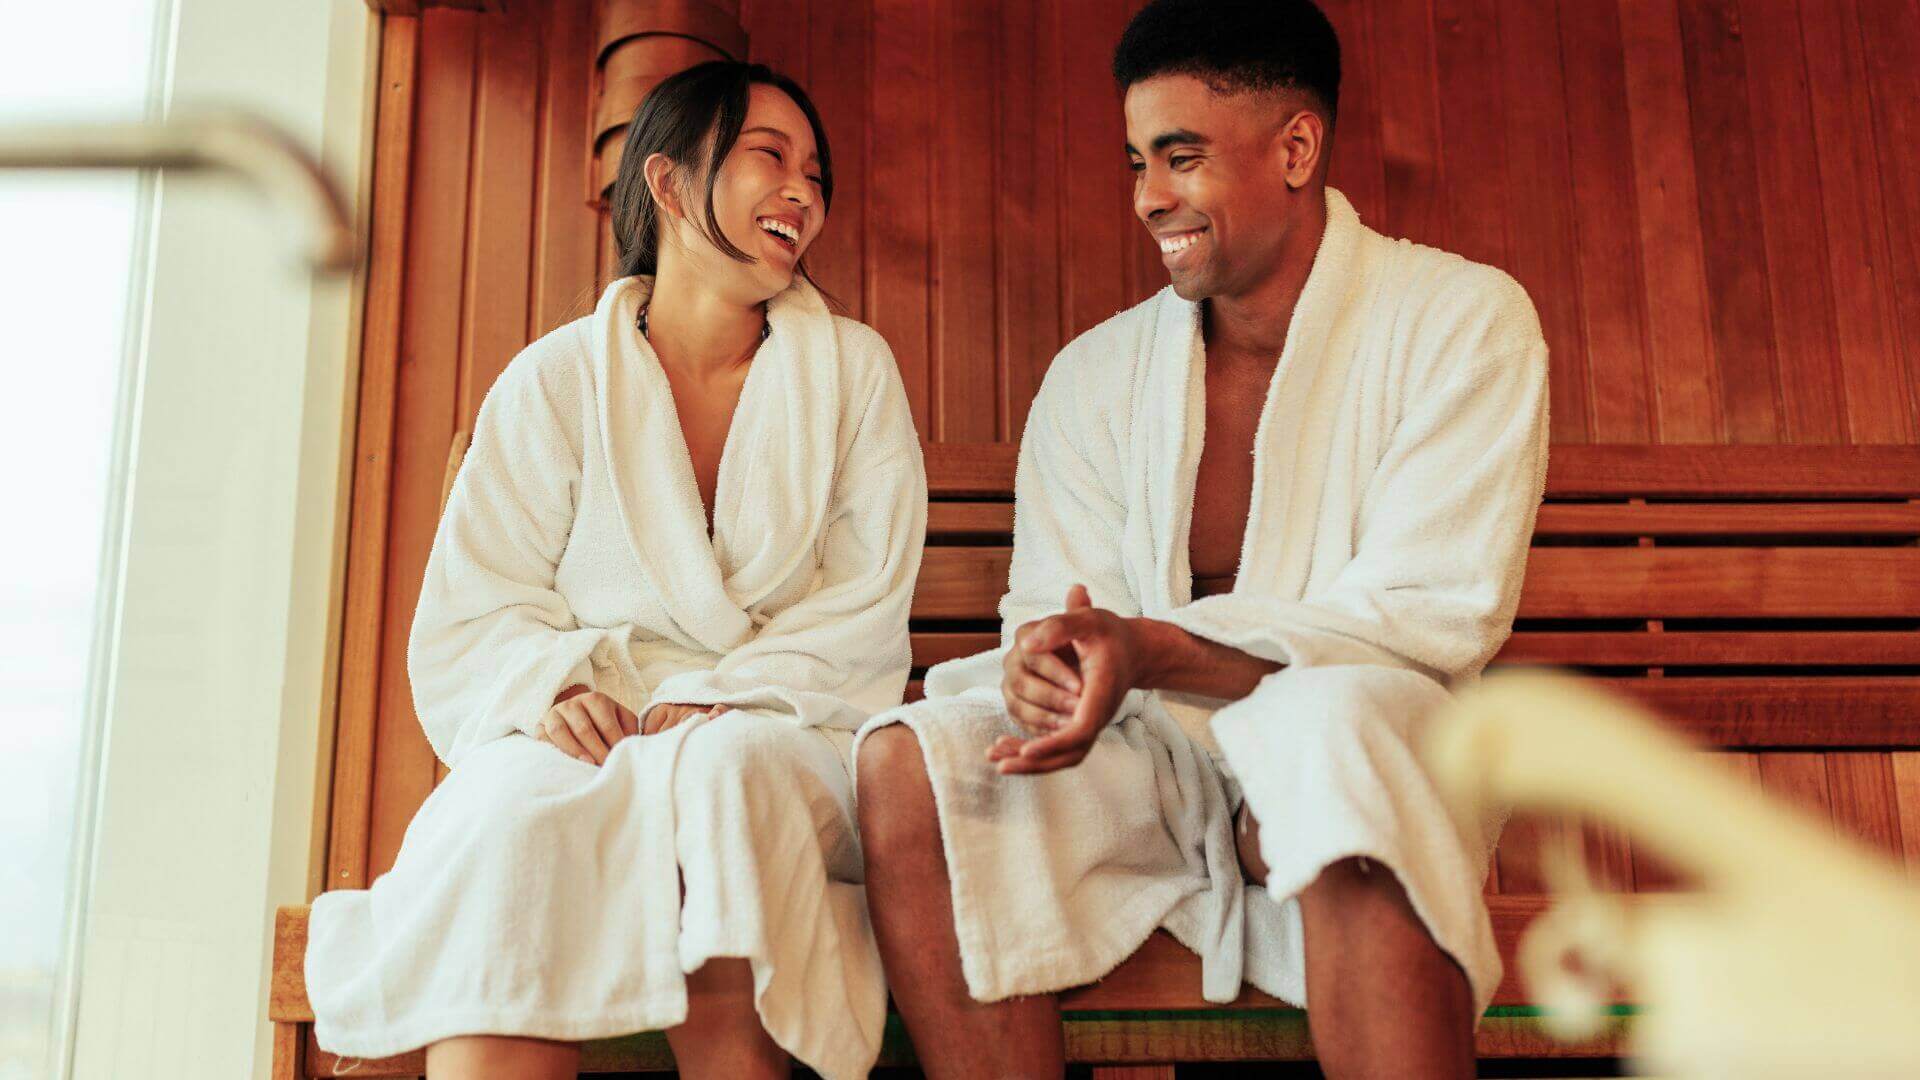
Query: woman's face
{"points": [[767, 198]]}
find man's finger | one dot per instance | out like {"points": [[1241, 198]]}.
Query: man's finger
{"points": [[629, 723], [1071, 734], [1023, 766], [1005, 746], [718, 711], [1042, 694], [1033, 719], [1077, 598], [1049, 666]]}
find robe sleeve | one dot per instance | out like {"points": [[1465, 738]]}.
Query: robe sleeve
{"points": [[1444, 524], [1067, 524], [492, 642], [841, 653]]}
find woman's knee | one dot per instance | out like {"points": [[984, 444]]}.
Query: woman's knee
{"points": [[740, 751]]}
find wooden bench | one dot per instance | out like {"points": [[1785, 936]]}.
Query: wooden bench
{"points": [[1763, 598]]}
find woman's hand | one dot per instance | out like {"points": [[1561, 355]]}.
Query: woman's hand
{"points": [[664, 715], [584, 724]]}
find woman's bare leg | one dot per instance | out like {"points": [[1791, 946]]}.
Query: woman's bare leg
{"points": [[722, 1036], [499, 1057]]}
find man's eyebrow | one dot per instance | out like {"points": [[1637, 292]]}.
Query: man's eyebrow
{"points": [[1173, 138]]}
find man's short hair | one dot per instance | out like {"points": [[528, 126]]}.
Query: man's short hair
{"points": [[1234, 46]]}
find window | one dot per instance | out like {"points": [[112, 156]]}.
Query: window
{"points": [[68, 270]]}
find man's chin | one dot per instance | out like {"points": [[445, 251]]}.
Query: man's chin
{"points": [[1191, 287]]}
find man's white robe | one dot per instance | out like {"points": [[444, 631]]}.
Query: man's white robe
{"points": [[1399, 462], [537, 895]]}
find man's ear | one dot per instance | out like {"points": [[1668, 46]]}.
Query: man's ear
{"points": [[658, 170], [1299, 145]]}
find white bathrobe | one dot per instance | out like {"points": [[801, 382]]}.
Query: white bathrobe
{"points": [[1398, 465], [537, 895]]}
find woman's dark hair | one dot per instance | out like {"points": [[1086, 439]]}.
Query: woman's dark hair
{"points": [[1234, 45], [703, 106]]}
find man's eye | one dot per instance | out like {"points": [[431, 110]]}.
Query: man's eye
{"points": [[1137, 166], [770, 150], [1179, 160]]}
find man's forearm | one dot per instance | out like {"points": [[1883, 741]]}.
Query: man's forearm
{"points": [[1172, 659]]}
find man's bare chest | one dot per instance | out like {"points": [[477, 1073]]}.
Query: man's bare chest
{"points": [[1223, 490]]}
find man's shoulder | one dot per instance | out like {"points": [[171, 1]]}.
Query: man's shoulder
{"points": [[1115, 344], [1439, 295]]}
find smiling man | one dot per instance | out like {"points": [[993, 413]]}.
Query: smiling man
{"points": [[1265, 522]]}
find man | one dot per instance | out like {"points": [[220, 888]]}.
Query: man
{"points": [[1292, 495]]}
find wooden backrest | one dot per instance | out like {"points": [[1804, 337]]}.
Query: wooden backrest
{"points": [[1758, 596]]}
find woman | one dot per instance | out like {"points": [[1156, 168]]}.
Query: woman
{"points": [[672, 577]]}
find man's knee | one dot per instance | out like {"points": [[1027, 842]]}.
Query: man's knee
{"points": [[894, 792]]}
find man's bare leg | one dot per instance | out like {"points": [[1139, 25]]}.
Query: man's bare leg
{"points": [[500, 1057], [1384, 999], [722, 1035], [911, 898]]}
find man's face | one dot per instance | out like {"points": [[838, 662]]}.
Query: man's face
{"points": [[1212, 181]]}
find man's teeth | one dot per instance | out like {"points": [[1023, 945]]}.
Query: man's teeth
{"points": [[781, 229], [1178, 243]]}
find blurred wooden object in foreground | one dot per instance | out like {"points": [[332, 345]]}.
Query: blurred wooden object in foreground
{"points": [[1799, 953]]}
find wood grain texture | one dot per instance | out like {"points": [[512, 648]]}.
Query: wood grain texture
{"points": [[433, 288], [357, 720]]}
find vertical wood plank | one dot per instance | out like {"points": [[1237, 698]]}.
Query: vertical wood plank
{"points": [[837, 42], [1859, 262], [1358, 166], [564, 220], [1027, 261], [1605, 201], [499, 267], [1096, 213], [1906, 788], [1410, 120], [1738, 306], [1473, 144], [964, 234], [776, 36], [431, 348], [1796, 244], [1538, 200], [1686, 395], [1890, 30], [365, 614], [1865, 799], [1800, 779], [899, 293]]}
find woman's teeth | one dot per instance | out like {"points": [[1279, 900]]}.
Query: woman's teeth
{"points": [[781, 229]]}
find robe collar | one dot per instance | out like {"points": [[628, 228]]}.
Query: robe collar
{"points": [[1176, 434], [776, 472]]}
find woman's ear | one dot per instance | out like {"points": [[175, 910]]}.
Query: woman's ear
{"points": [[658, 171]]}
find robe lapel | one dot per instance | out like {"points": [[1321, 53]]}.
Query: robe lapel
{"points": [[1290, 445], [776, 474]]}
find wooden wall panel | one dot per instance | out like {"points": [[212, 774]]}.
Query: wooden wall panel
{"points": [[1714, 204]]}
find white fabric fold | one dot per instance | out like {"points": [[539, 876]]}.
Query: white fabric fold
{"points": [[574, 550], [1399, 462]]}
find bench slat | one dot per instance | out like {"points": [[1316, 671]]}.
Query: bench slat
{"points": [[1721, 582], [1573, 471], [1583, 583], [1841, 648], [1821, 713], [1729, 519], [994, 520]]}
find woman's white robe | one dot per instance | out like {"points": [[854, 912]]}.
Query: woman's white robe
{"points": [[538, 895], [1398, 465]]}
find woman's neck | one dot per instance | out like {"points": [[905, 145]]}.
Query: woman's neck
{"points": [[698, 330]]}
